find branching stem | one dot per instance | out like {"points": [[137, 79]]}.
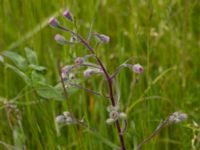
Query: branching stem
{"points": [[108, 78]]}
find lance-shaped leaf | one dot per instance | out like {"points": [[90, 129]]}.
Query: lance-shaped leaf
{"points": [[49, 92], [17, 59], [20, 73], [31, 56]]}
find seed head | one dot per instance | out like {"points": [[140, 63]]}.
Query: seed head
{"points": [[53, 22]]}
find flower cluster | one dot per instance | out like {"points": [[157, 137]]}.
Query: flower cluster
{"points": [[137, 68], [115, 114], [65, 119], [91, 68], [102, 38], [177, 117]]}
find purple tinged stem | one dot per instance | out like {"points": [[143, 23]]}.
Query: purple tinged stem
{"points": [[108, 78]]}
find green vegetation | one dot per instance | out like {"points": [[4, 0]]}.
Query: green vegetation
{"points": [[163, 36]]}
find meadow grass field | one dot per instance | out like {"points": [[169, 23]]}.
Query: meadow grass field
{"points": [[163, 36]]}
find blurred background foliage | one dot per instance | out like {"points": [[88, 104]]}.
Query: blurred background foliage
{"points": [[161, 35]]}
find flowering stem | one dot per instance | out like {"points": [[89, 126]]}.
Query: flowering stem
{"points": [[86, 89], [63, 85], [108, 78]]}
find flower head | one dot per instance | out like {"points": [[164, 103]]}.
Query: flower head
{"points": [[177, 117], [65, 119], [66, 114], [67, 15], [137, 68], [114, 115], [79, 60], [103, 38], [60, 119], [88, 72], [53, 22], [60, 39], [66, 70]]}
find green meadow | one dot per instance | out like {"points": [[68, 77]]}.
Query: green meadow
{"points": [[161, 35]]}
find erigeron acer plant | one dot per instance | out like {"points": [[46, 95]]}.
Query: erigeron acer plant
{"points": [[115, 115]]}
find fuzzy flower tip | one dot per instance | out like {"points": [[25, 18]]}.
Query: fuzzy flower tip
{"points": [[103, 38], [114, 115], [60, 39], [177, 117], [79, 60], [137, 68], [60, 119], [53, 22], [65, 119], [66, 70], [67, 15], [88, 72]]}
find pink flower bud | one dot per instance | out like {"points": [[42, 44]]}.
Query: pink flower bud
{"points": [[79, 61], [103, 38], [53, 22], [60, 39], [67, 15], [137, 68]]}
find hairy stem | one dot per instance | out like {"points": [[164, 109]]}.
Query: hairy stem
{"points": [[108, 78], [160, 126]]}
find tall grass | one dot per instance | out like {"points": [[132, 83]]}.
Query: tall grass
{"points": [[161, 35]]}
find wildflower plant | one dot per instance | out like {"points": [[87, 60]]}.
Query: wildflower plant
{"points": [[32, 74], [114, 112]]}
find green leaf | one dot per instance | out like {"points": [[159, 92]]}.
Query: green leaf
{"points": [[37, 77], [20, 73], [17, 59], [70, 89], [31, 56], [48, 92], [38, 68]]}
